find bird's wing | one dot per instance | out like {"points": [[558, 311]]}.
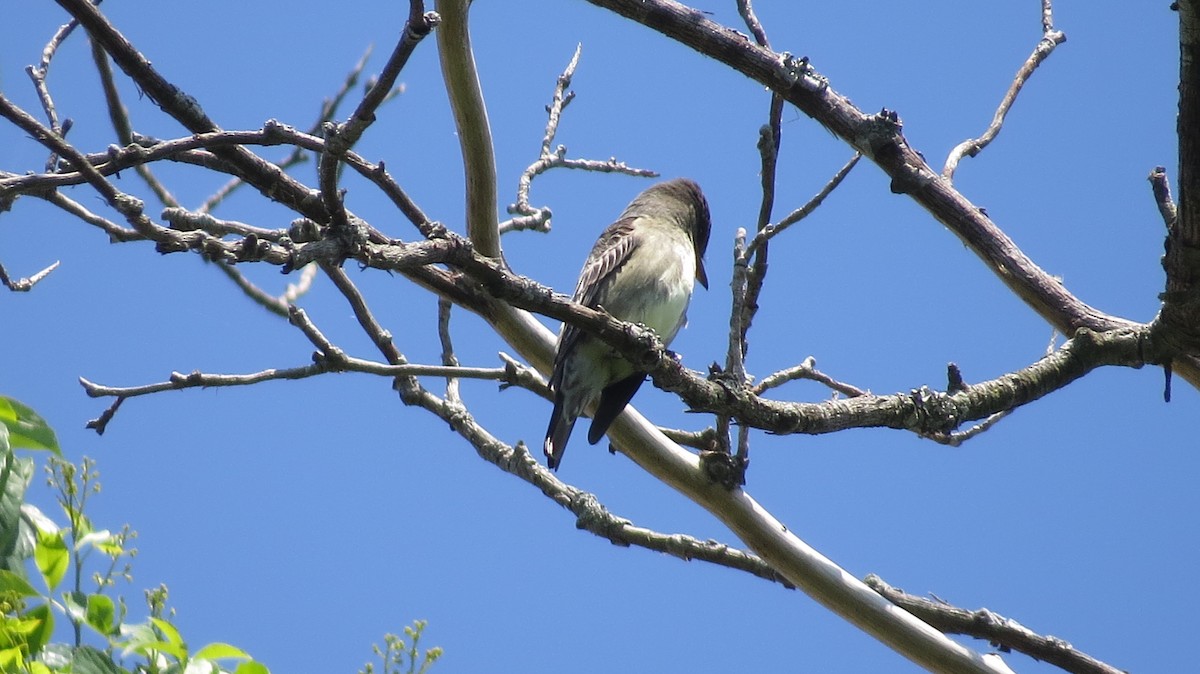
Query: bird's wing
{"points": [[610, 252], [612, 249]]}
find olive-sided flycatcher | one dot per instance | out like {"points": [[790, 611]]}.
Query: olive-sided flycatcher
{"points": [[641, 270]]}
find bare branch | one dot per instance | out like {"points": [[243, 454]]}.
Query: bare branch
{"points": [[1047, 16], [746, 10], [769, 140], [734, 374], [119, 117], [100, 423], [1161, 187], [38, 76], [448, 357], [538, 219], [524, 376], [339, 138], [707, 440], [770, 231], [25, 284], [471, 120], [806, 370], [116, 233], [275, 305], [998, 630], [1050, 39], [328, 109], [123, 203]]}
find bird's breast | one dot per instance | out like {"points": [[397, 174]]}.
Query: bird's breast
{"points": [[655, 286]]}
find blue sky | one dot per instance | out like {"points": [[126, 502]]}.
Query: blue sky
{"points": [[303, 520]]}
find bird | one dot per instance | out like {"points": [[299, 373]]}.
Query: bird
{"points": [[642, 269]]}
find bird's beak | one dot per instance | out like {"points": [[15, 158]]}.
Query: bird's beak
{"points": [[701, 276]]}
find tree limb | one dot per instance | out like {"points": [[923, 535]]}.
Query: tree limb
{"points": [[1004, 632]]}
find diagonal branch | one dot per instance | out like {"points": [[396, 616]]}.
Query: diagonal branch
{"points": [[1004, 632]]}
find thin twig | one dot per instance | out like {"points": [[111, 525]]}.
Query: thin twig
{"points": [[771, 231], [328, 109], [116, 233], [22, 285], [973, 146], [119, 117], [407, 385], [734, 374], [39, 74], [707, 440], [275, 305], [538, 219], [187, 221], [769, 140], [179, 381], [807, 370], [448, 357], [1047, 16], [748, 278], [525, 377]]}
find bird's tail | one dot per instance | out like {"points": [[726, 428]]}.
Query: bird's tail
{"points": [[557, 434]]}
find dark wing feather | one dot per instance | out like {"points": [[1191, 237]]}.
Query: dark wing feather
{"points": [[611, 251], [613, 400]]}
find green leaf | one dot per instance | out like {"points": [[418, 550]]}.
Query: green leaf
{"points": [[26, 428], [40, 636], [218, 651], [145, 647], [17, 630], [11, 659], [75, 605], [170, 633], [83, 526], [12, 582], [15, 474], [88, 660], [101, 614], [38, 668], [252, 667], [136, 634], [39, 519], [52, 557]]}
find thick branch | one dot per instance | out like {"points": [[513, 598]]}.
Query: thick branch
{"points": [[471, 119], [1180, 317]]}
